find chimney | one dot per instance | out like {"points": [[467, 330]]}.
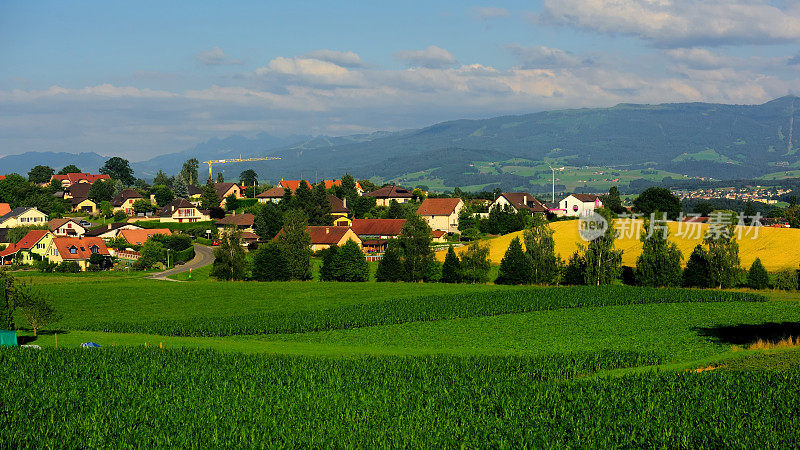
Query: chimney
{"points": [[525, 200], [327, 230], [344, 202]]}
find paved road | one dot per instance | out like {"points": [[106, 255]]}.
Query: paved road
{"points": [[203, 256]]}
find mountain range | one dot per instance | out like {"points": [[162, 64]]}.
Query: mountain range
{"points": [[695, 139]]}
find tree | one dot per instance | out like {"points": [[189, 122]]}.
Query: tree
{"points": [[120, 216], [659, 264], [161, 179], [792, 214], [231, 202], [40, 174], [210, 198], [757, 276], [541, 247], [119, 169], [658, 199], [35, 307], [612, 201], [189, 172], [603, 261], [574, 271], [230, 263], [105, 209], [304, 198], [475, 264], [269, 263], [220, 178], [348, 188], [516, 266], [320, 213], [179, 188], [415, 242], [268, 220], [152, 252], [248, 177], [451, 269], [102, 190], [723, 251], [7, 294], [350, 263], [390, 267], [328, 268], [703, 209], [295, 244], [70, 168], [368, 186], [162, 194], [418, 194], [143, 206], [697, 271], [395, 211]]}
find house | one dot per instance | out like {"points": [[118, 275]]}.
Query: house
{"points": [[375, 233], [292, 184], [124, 201], [22, 216], [35, 242], [386, 194], [244, 222], [80, 190], [181, 211], [323, 237], [139, 237], [518, 201], [578, 204], [75, 178], [4, 209], [125, 257], [441, 213], [339, 211], [273, 195], [110, 231], [74, 249], [195, 194], [226, 189], [83, 204], [66, 227], [438, 236]]}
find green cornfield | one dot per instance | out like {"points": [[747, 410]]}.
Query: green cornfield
{"points": [[135, 397]]}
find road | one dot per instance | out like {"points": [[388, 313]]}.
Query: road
{"points": [[203, 256]]}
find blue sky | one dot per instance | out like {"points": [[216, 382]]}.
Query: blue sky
{"points": [[146, 78]]}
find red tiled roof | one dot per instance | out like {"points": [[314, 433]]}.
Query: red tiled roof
{"points": [[390, 191], [80, 177], [5, 208], [438, 206], [326, 235], [377, 227], [26, 243], [292, 184], [438, 233], [83, 247], [139, 237]]}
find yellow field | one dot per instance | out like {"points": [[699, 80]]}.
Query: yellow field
{"points": [[778, 248]]}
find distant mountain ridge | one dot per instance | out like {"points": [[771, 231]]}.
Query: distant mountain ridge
{"points": [[697, 139]]}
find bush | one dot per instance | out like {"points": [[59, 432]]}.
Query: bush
{"points": [[68, 267], [475, 265], [269, 263], [785, 280], [120, 216]]}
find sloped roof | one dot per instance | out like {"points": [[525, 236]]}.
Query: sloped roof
{"points": [[125, 195], [377, 227], [138, 237], [26, 243], [222, 188], [391, 191], [102, 229], [80, 177], [586, 197], [438, 233], [524, 200], [337, 205], [75, 201], [16, 212], [438, 206], [55, 224], [79, 190], [193, 190], [5, 208], [83, 247], [171, 207], [240, 220], [292, 184], [276, 192], [326, 235]]}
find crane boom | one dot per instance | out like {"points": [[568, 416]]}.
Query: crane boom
{"points": [[234, 160]]}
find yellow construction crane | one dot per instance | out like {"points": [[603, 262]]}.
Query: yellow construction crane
{"points": [[235, 160]]}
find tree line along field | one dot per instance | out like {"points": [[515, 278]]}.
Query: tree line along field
{"points": [[777, 247], [400, 364]]}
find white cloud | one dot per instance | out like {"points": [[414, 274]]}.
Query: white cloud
{"points": [[489, 12], [540, 56], [432, 57], [681, 23], [215, 57], [699, 58], [344, 59], [310, 70]]}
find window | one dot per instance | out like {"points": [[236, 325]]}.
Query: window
{"points": [[94, 249], [73, 250]]}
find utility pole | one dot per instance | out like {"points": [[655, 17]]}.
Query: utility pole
{"points": [[554, 183]]}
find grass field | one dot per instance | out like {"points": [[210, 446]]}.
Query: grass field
{"points": [[403, 364], [778, 248]]}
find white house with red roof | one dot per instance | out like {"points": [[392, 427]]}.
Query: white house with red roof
{"points": [[66, 227], [578, 205], [441, 213], [78, 250]]}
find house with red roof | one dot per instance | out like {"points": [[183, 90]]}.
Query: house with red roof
{"points": [[375, 233], [441, 213], [386, 194], [35, 242], [518, 201], [75, 178], [273, 195], [139, 237], [66, 227], [5, 208], [323, 237], [77, 250]]}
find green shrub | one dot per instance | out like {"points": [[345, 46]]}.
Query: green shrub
{"points": [[785, 280], [68, 267]]}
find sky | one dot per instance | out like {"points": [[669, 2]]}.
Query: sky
{"points": [[145, 78]]}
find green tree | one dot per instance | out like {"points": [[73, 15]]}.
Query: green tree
{"points": [[603, 261], [7, 294], [659, 264], [757, 276], [612, 201], [697, 271], [143, 206], [248, 177], [220, 178], [163, 195], [161, 179], [395, 211], [295, 244], [105, 209], [723, 251], [304, 199], [575, 270], [70, 168], [415, 242], [210, 198], [475, 264], [35, 307], [351, 265], [40, 174], [179, 188], [230, 263], [320, 213], [792, 214], [102, 190], [541, 247], [120, 216], [231, 202], [703, 208], [189, 172], [516, 266], [119, 169], [784, 280], [348, 188], [328, 269], [658, 199], [269, 263], [451, 269], [152, 252], [268, 220], [390, 267]]}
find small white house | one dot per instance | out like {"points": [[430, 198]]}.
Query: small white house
{"points": [[578, 204]]}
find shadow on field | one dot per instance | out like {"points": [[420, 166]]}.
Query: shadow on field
{"points": [[22, 340], [744, 334]]}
